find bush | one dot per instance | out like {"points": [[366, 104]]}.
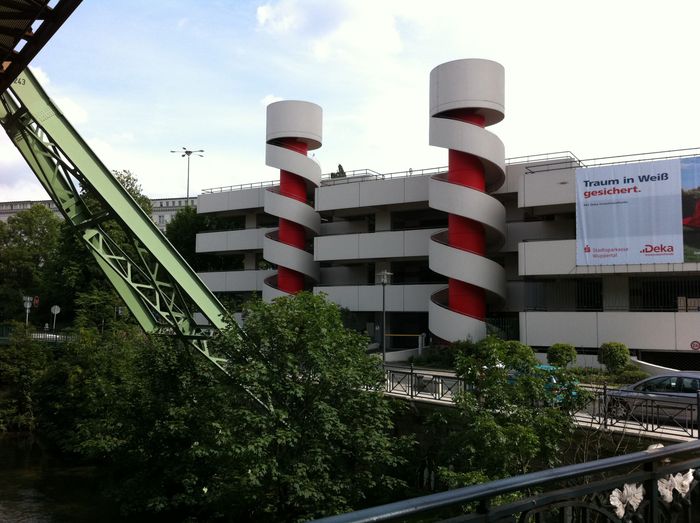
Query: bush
{"points": [[440, 356], [614, 355], [631, 374], [561, 354], [589, 374]]}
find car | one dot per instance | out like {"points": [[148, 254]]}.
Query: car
{"points": [[671, 397]]}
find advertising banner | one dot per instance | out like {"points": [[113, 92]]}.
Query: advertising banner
{"points": [[640, 213]]}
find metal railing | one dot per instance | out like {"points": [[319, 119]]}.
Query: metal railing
{"points": [[652, 486], [368, 174], [422, 384], [241, 186], [549, 162], [608, 408], [617, 159], [651, 414], [47, 337]]}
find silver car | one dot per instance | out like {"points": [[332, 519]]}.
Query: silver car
{"points": [[671, 397]]}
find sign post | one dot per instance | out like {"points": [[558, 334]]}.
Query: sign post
{"points": [[28, 302], [55, 309]]}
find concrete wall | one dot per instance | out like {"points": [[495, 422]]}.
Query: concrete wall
{"points": [[546, 257], [368, 298], [231, 200], [235, 281], [387, 244], [517, 232], [661, 331], [372, 193], [547, 188], [227, 241]]}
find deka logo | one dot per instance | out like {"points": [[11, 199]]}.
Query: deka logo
{"points": [[657, 249]]}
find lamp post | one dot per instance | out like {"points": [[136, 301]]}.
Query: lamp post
{"points": [[28, 301], [187, 152], [384, 278]]}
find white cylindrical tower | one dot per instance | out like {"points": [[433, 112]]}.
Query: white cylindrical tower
{"points": [[465, 97], [293, 128]]}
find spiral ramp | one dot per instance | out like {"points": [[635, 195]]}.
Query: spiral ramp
{"points": [[293, 128], [465, 97]]}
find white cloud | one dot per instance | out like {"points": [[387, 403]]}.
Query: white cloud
{"points": [[280, 18], [40, 75], [72, 110], [366, 34]]}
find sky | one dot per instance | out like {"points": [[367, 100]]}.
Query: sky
{"points": [[138, 79]]}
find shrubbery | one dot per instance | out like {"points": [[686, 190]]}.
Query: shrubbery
{"points": [[300, 429], [561, 355], [631, 374], [614, 355], [441, 356]]}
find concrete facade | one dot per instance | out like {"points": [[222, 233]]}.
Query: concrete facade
{"points": [[372, 222]]}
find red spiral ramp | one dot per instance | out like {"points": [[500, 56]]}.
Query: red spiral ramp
{"points": [[465, 97], [293, 128]]}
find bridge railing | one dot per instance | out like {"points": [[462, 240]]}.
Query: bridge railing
{"points": [[656, 485], [608, 408], [658, 413], [422, 384]]}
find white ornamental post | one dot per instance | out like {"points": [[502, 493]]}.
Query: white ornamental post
{"points": [[55, 309], [28, 301]]}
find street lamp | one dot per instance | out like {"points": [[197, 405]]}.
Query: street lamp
{"points": [[186, 152], [28, 301], [384, 278]]}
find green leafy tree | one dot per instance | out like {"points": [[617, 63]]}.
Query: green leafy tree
{"points": [[28, 243], [22, 363], [183, 440], [130, 182], [74, 268], [614, 355], [508, 421], [182, 231], [561, 354], [324, 443]]}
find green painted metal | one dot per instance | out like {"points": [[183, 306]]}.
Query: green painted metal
{"points": [[157, 285]]}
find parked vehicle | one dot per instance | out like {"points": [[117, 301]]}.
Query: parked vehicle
{"points": [[672, 396]]}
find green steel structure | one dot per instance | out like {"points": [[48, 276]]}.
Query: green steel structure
{"points": [[157, 285]]}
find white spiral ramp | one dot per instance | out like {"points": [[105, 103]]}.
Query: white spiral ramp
{"points": [[466, 96], [293, 128]]}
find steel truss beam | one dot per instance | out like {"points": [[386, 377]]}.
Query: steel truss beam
{"points": [[156, 284]]}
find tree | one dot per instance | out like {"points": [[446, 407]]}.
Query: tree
{"points": [[22, 363], [28, 243], [130, 182], [508, 421], [182, 231], [323, 444], [74, 268], [614, 355], [183, 440], [561, 354]]}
